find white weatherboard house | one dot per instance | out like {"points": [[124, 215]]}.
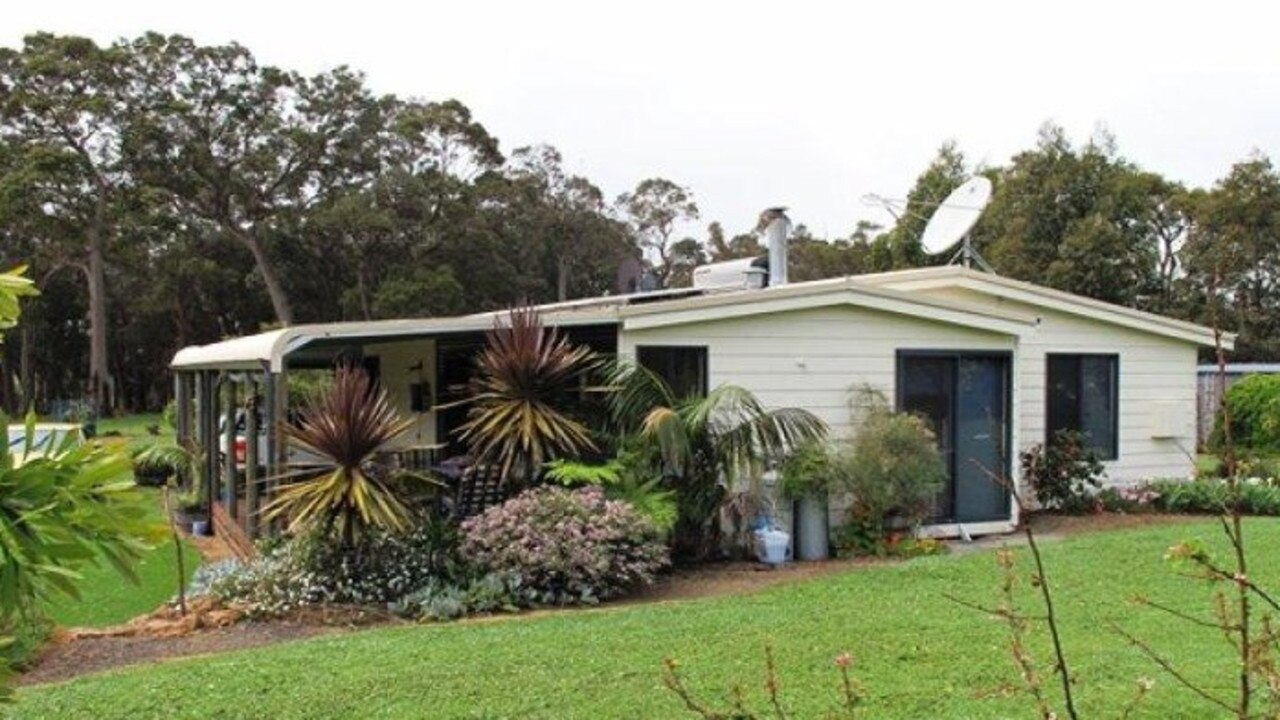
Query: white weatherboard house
{"points": [[995, 364]]}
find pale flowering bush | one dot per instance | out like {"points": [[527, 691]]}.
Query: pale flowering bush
{"points": [[309, 570], [566, 546]]}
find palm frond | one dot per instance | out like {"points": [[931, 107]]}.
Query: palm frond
{"points": [[705, 444], [635, 391]]}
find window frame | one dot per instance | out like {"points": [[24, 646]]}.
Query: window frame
{"points": [[1110, 451], [705, 370]]}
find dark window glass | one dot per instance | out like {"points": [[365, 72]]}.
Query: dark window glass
{"points": [[684, 369], [1083, 396]]}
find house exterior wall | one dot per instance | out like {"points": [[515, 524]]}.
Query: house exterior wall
{"points": [[395, 359], [1157, 379], [812, 358]]}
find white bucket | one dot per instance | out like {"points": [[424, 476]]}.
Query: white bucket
{"points": [[771, 546]]}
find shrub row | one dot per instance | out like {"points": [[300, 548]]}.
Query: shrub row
{"points": [[547, 546], [1258, 496]]}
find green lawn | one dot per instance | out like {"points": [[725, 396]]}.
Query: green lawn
{"points": [[108, 599], [918, 654], [133, 426]]}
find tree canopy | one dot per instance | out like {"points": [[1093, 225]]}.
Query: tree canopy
{"points": [[165, 193]]}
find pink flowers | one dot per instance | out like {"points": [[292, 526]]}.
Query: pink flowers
{"points": [[566, 546]]}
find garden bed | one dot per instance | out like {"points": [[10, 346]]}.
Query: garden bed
{"points": [[72, 655]]}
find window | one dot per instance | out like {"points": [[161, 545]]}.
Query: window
{"points": [[1084, 396], [683, 368]]}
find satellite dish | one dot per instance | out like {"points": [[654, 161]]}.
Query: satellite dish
{"points": [[953, 220]]}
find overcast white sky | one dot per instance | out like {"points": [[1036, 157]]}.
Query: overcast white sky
{"points": [[810, 105]]}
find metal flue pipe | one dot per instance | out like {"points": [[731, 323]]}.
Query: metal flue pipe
{"points": [[777, 228]]}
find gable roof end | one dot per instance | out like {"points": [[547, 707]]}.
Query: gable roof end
{"points": [[953, 276]]}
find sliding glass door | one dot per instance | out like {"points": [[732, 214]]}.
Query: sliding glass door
{"points": [[964, 396]]}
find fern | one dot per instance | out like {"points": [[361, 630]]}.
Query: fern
{"points": [[571, 473]]}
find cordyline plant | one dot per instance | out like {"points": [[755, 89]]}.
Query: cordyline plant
{"points": [[526, 378], [346, 425]]}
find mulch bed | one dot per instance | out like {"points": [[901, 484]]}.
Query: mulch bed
{"points": [[164, 636]]}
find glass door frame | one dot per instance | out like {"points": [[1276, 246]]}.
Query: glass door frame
{"points": [[902, 355]]}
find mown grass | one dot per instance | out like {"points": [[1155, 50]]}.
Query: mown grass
{"points": [[134, 426], [918, 654], [108, 599]]}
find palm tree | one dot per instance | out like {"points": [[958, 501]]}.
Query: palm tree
{"points": [[346, 425], [705, 445]]}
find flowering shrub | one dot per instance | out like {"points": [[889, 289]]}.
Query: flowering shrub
{"points": [[1127, 499], [565, 546], [208, 575], [312, 570]]}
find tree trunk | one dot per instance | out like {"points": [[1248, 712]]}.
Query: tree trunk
{"points": [[562, 277], [26, 382], [100, 381], [362, 288], [279, 300], [6, 382]]}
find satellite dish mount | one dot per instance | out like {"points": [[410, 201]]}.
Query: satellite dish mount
{"points": [[969, 256], [953, 221]]}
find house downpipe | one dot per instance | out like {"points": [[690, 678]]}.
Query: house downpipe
{"points": [[777, 228]]}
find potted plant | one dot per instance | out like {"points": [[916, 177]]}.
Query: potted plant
{"points": [[152, 467], [189, 508], [805, 479]]}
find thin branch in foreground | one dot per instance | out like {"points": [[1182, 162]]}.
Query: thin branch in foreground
{"points": [[1173, 672], [1147, 602], [999, 612]]}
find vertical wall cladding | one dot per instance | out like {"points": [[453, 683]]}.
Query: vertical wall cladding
{"points": [[399, 368], [813, 358], [1157, 390]]}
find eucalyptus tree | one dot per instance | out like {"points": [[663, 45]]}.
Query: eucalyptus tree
{"points": [[241, 146], [1232, 255], [654, 210], [571, 220], [62, 110]]}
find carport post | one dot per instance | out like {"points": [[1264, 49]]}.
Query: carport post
{"points": [[269, 417], [209, 421], [229, 449], [182, 404], [251, 455], [277, 394]]}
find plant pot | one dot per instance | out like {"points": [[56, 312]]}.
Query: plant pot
{"points": [[813, 532], [186, 519]]}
